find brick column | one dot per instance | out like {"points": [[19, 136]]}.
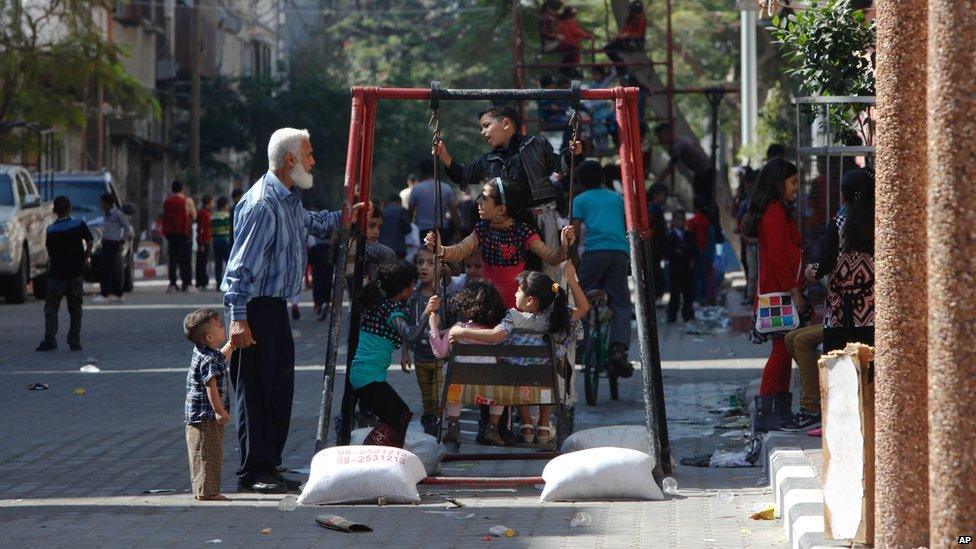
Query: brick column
{"points": [[951, 268], [901, 443]]}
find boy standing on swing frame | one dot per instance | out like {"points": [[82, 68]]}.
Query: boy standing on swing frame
{"points": [[527, 159]]}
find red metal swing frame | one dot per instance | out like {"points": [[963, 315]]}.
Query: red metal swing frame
{"points": [[357, 187], [359, 155]]}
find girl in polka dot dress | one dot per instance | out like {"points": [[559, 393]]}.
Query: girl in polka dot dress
{"points": [[383, 328], [505, 234]]}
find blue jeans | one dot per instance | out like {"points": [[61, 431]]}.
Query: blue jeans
{"points": [[221, 248], [608, 270]]}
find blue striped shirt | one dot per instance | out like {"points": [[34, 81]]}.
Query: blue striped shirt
{"points": [[268, 259]]}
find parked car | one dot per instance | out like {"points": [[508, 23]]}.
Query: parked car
{"points": [[24, 217], [84, 190]]}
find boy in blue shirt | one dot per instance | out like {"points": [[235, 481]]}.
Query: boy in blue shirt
{"points": [[69, 245], [606, 257], [207, 402]]}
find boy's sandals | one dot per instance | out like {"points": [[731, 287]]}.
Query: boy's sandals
{"points": [[215, 497], [491, 437], [453, 430], [527, 432], [544, 434]]}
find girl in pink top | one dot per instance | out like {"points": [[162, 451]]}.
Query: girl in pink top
{"points": [[505, 234], [477, 306]]}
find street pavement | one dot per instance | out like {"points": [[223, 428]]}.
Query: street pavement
{"points": [[73, 468]]}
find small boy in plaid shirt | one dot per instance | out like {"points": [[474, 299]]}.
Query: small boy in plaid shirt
{"points": [[207, 402]]}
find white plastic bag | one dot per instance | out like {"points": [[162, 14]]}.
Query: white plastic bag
{"points": [[418, 443], [617, 436], [351, 474], [600, 474]]}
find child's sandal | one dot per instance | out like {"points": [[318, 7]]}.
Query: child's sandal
{"points": [[453, 433], [215, 497], [544, 434], [491, 436], [527, 432]]}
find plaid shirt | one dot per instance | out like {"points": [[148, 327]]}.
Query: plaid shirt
{"points": [[516, 319], [205, 364]]}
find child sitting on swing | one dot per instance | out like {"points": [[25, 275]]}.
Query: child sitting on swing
{"points": [[541, 306], [477, 306], [383, 328], [504, 235]]}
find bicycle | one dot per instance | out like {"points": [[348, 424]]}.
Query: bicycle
{"points": [[597, 348]]}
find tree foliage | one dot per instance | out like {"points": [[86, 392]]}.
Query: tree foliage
{"points": [[402, 43], [829, 50], [53, 54]]}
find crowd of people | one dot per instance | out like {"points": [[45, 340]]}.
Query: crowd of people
{"points": [[507, 269], [437, 274]]}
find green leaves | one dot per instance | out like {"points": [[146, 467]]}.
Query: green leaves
{"points": [[54, 57], [829, 51]]}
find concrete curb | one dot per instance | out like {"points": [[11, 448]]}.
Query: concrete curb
{"points": [[798, 493]]}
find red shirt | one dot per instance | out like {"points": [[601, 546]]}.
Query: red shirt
{"points": [[503, 251], [698, 225], [571, 32], [780, 255], [634, 28], [203, 226], [175, 219]]}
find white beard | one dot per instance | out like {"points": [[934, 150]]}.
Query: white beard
{"points": [[301, 178]]}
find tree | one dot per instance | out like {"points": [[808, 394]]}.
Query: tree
{"points": [[52, 56], [829, 49]]}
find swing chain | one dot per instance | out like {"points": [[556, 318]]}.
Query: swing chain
{"points": [[435, 123], [574, 125], [435, 140]]}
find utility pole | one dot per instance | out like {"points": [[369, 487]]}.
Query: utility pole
{"points": [[748, 21], [197, 58]]}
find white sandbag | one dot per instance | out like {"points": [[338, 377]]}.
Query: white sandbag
{"points": [[417, 443], [600, 474], [351, 474], [616, 436]]}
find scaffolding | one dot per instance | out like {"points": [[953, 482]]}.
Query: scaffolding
{"points": [[520, 65]]}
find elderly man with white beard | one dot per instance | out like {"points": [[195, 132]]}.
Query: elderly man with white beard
{"points": [[266, 266]]}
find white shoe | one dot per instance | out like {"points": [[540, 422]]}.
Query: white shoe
{"points": [[192, 290], [544, 434], [99, 299], [172, 289], [117, 299]]}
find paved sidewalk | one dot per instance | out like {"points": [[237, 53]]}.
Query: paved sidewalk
{"points": [[73, 468]]}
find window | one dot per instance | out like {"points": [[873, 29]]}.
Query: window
{"points": [[85, 195], [6, 190], [23, 187]]}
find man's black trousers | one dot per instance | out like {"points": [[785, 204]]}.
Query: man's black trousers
{"points": [[264, 383]]}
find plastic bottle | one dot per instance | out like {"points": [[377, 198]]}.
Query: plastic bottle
{"points": [[288, 503], [581, 519], [500, 531], [670, 486], [725, 496]]}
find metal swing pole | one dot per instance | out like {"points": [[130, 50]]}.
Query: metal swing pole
{"points": [[638, 230], [350, 184], [355, 312]]}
